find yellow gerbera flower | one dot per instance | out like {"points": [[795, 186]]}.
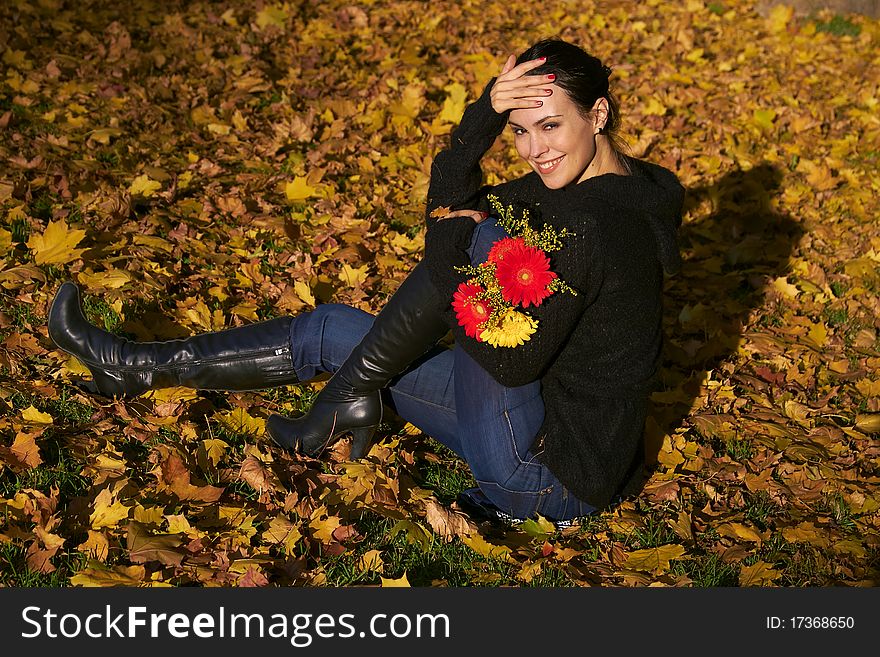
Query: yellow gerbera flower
{"points": [[511, 330]]}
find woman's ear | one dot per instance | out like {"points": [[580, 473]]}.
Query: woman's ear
{"points": [[600, 114]]}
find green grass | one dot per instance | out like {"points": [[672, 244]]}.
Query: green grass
{"points": [[14, 571], [739, 449], [448, 476], [425, 564], [708, 571], [839, 26], [100, 313]]}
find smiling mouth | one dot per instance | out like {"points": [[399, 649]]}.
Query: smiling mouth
{"points": [[550, 165]]}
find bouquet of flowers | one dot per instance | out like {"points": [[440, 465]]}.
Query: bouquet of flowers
{"points": [[490, 304]]}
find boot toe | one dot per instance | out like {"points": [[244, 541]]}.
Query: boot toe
{"points": [[282, 431]]}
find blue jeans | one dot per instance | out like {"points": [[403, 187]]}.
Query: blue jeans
{"points": [[449, 397]]}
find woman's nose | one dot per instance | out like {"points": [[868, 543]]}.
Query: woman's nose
{"points": [[537, 147]]}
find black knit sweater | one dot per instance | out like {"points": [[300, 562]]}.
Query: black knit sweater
{"points": [[595, 353]]}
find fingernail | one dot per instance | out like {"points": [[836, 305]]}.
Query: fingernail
{"points": [[543, 59], [538, 103], [550, 76]]}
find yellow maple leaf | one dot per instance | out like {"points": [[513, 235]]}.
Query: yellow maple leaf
{"points": [[322, 524], [779, 17], [654, 559], [104, 135], [353, 276], [108, 512], [304, 292], [273, 15], [246, 311], [33, 416], [410, 104], [818, 334], [282, 532], [785, 288], [145, 186], [56, 245], [299, 189], [764, 118], [737, 530], [453, 106], [212, 450], [239, 421], [111, 279], [654, 108]]}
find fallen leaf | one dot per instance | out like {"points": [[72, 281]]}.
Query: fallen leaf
{"points": [[654, 560], [56, 244]]}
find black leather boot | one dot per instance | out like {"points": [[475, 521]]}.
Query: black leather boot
{"points": [[244, 358], [408, 326]]}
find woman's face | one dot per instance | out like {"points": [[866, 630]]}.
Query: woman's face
{"points": [[555, 139]]}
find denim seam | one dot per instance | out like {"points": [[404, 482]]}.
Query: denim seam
{"points": [[530, 462], [420, 400]]}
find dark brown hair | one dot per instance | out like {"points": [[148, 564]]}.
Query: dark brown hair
{"points": [[582, 76]]}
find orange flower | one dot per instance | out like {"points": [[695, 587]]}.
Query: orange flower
{"points": [[524, 275], [471, 311]]}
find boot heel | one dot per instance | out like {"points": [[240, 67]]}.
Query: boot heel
{"points": [[360, 442]]}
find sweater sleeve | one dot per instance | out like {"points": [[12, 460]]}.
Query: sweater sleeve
{"points": [[456, 176], [456, 183]]}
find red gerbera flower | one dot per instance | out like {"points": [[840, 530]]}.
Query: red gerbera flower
{"points": [[471, 312], [501, 247], [524, 275]]}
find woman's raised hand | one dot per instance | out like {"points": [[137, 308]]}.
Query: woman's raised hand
{"points": [[513, 89]]}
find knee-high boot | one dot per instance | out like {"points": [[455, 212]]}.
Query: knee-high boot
{"points": [[245, 358], [408, 325]]}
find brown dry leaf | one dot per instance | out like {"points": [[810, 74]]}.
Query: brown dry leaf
{"points": [[758, 574], [253, 577], [174, 477], [144, 547], [282, 531], [447, 523], [25, 450], [42, 550], [258, 476], [99, 575]]}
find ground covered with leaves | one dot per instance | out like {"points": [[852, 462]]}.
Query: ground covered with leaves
{"points": [[202, 165]]}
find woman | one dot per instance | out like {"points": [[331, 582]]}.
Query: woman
{"points": [[551, 427]]}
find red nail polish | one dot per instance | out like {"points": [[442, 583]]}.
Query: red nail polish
{"points": [[543, 59], [551, 76]]}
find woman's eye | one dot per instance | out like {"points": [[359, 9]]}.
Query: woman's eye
{"points": [[519, 131], [550, 126]]}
